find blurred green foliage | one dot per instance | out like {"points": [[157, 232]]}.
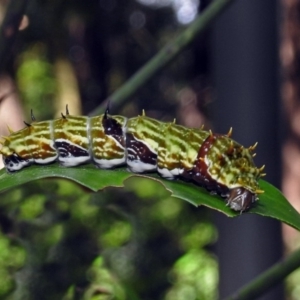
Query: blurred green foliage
{"points": [[195, 276], [292, 285], [131, 243], [12, 257], [36, 80]]}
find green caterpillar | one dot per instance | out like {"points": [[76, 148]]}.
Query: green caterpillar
{"points": [[213, 161]]}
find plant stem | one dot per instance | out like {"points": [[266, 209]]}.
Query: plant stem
{"points": [[268, 279], [10, 28], [165, 55]]}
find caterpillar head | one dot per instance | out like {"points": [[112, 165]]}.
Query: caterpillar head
{"points": [[240, 199]]}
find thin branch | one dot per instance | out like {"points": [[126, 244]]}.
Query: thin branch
{"points": [[268, 279], [164, 56], [10, 29]]}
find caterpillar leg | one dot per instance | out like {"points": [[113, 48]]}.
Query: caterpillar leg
{"points": [[15, 163], [169, 174]]}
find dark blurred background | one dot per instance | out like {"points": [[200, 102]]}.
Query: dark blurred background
{"points": [[60, 242]]}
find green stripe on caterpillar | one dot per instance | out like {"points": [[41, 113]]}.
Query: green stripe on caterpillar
{"points": [[213, 161]]}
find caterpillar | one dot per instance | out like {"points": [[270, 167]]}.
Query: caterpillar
{"points": [[213, 161]]}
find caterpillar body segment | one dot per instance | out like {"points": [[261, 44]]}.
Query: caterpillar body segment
{"points": [[213, 161]]}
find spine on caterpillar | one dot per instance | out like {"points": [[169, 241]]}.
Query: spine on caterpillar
{"points": [[213, 161]]}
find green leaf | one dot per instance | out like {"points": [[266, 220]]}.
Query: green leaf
{"points": [[271, 203]]}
